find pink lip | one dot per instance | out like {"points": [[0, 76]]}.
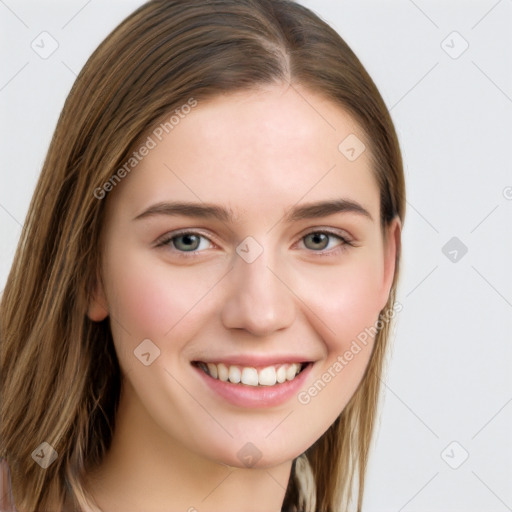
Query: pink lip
{"points": [[242, 395]]}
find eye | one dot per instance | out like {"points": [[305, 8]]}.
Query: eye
{"points": [[320, 241], [192, 242], [188, 241]]}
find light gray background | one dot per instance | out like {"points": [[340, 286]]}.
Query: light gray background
{"points": [[449, 377]]}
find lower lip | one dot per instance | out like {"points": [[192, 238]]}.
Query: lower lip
{"points": [[242, 395]]}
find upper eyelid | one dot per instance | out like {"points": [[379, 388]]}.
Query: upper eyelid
{"points": [[330, 231], [172, 234]]}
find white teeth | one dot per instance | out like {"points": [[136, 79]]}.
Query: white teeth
{"points": [[249, 376], [269, 376], [234, 374], [212, 368], [291, 372], [223, 373], [281, 374]]}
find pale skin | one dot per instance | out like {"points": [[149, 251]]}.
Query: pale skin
{"points": [[258, 154]]}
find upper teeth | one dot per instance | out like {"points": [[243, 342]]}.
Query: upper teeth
{"points": [[250, 376]]}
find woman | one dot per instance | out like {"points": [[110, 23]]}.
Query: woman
{"points": [[198, 310]]}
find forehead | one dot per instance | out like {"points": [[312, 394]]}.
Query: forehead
{"points": [[259, 150]]}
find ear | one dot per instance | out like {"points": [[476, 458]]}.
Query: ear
{"points": [[392, 245], [98, 308]]}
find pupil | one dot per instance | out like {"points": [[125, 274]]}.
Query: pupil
{"points": [[188, 241], [319, 238]]}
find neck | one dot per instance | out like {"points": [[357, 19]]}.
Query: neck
{"points": [[146, 469]]}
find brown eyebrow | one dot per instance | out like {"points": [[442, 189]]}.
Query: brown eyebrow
{"points": [[212, 211], [325, 208]]}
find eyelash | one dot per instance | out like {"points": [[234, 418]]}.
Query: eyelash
{"points": [[164, 241]]}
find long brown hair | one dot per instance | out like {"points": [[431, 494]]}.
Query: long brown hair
{"points": [[60, 374]]}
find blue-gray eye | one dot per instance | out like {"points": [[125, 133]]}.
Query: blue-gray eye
{"points": [[320, 240], [185, 242], [190, 242]]}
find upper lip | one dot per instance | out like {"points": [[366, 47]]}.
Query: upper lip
{"points": [[256, 360]]}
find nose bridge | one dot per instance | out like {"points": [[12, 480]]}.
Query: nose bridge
{"points": [[258, 300]]}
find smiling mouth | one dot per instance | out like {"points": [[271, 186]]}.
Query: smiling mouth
{"points": [[268, 376]]}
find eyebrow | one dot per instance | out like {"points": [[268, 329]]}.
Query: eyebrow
{"points": [[212, 211]]}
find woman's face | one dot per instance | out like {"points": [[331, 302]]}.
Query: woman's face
{"points": [[248, 238]]}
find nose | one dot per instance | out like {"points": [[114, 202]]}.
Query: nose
{"points": [[259, 300]]}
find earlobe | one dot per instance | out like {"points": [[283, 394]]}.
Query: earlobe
{"points": [[97, 309]]}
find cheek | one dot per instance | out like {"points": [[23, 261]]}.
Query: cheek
{"points": [[346, 298], [358, 303], [149, 299], [344, 307]]}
